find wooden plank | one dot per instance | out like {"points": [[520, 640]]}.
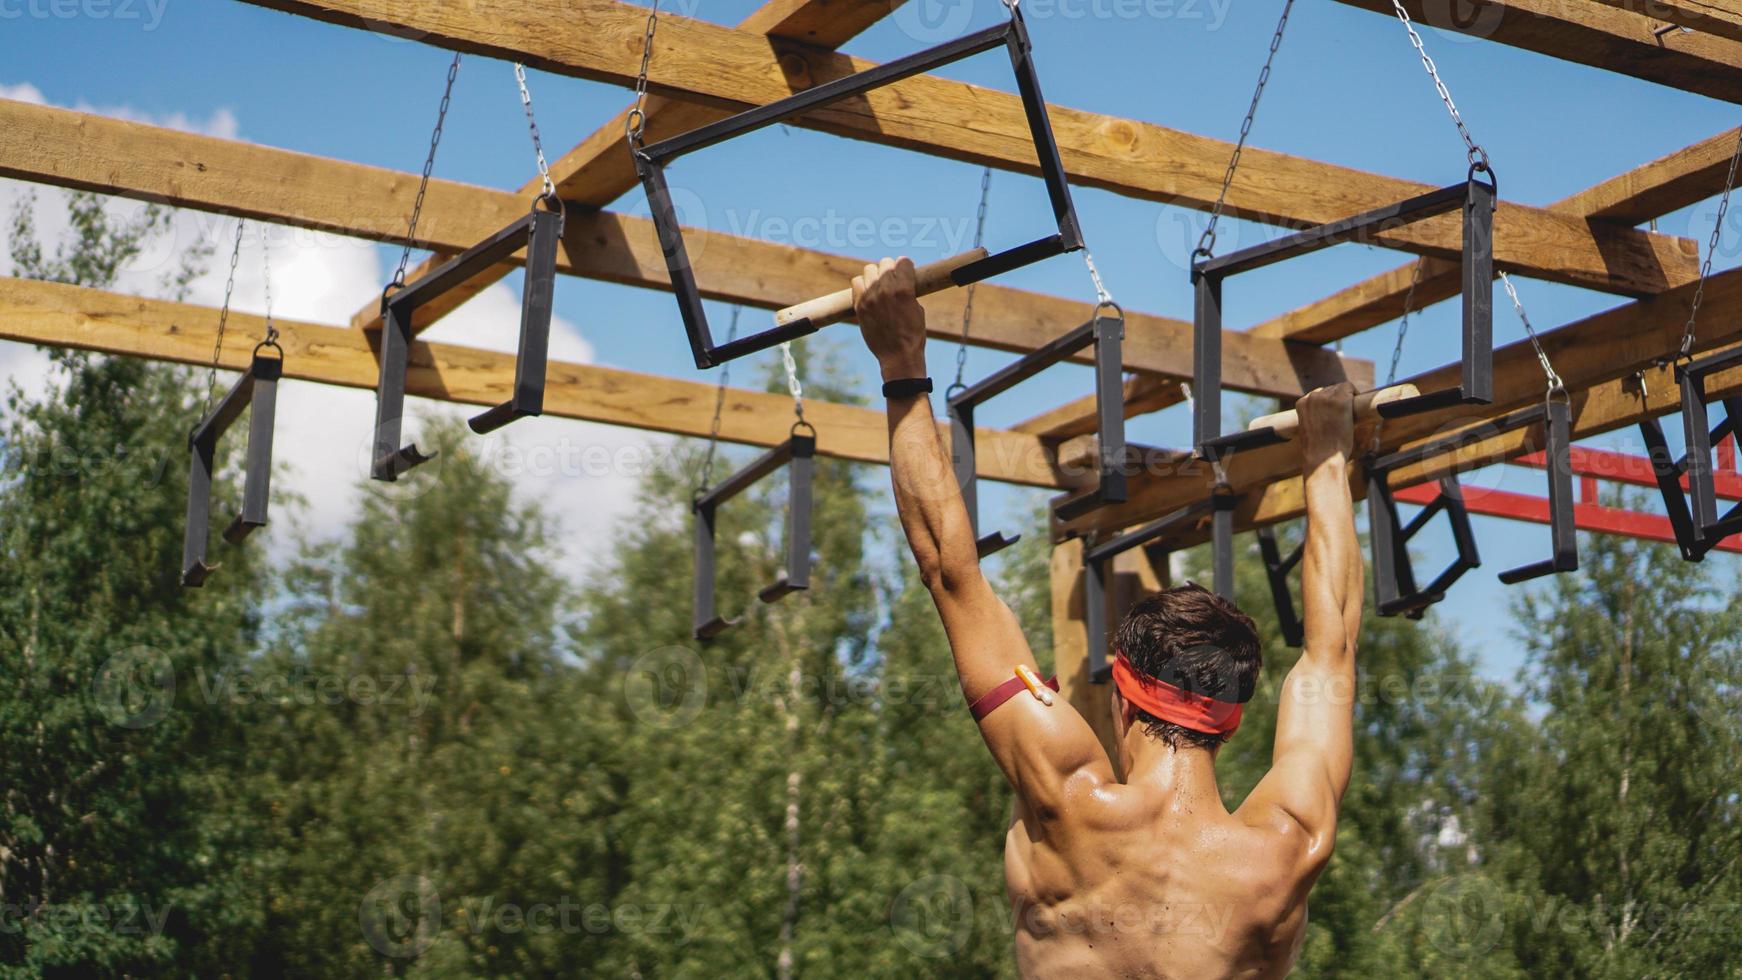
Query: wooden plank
{"points": [[598, 170], [71, 149], [1719, 18], [601, 40], [1591, 32], [89, 319], [1666, 184], [1599, 349], [1141, 395]]}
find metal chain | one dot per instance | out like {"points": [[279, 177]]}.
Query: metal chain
{"points": [[635, 123], [271, 337], [223, 318], [1554, 379], [793, 384], [719, 407], [1397, 348], [1687, 347], [1102, 297], [968, 300], [1403, 323], [435, 140], [1478, 156], [1207, 241], [532, 124]]}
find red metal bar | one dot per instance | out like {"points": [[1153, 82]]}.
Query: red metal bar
{"points": [[1604, 464], [1586, 516]]}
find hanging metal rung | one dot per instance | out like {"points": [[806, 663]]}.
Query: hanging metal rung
{"points": [[797, 454], [257, 391]]}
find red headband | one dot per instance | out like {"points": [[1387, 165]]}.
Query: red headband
{"points": [[1169, 703]]}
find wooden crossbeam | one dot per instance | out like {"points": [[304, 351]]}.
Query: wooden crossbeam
{"points": [[1664, 185], [1603, 348], [72, 316], [71, 149], [598, 170], [601, 40], [1609, 34], [1719, 18]]}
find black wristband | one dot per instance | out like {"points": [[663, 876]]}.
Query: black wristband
{"points": [[906, 387]]}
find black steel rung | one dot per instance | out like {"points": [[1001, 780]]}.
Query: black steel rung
{"points": [[995, 542], [1352, 229], [1240, 442], [391, 466], [779, 589], [650, 163], [496, 418]]}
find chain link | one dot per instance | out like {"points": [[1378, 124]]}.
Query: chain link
{"points": [[271, 338], [635, 124], [1478, 156], [1207, 241], [1687, 347], [1403, 322], [1554, 379], [1102, 297], [223, 318], [719, 407], [435, 141], [1397, 348], [532, 124], [793, 384], [968, 300]]}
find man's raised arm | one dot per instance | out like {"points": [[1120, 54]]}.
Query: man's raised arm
{"points": [[1039, 747], [1314, 738]]}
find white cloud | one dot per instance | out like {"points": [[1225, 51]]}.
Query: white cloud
{"points": [[583, 473]]}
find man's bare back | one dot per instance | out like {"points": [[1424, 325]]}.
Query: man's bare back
{"points": [[1130, 865]]}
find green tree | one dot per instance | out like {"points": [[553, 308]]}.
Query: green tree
{"points": [[115, 833], [1618, 815]]}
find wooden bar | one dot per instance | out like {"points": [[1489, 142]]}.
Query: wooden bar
{"points": [[692, 59], [72, 149], [89, 319]]}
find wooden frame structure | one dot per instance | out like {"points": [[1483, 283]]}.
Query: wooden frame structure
{"points": [[701, 73]]}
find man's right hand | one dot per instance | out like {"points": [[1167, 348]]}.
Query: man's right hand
{"points": [[1327, 423], [890, 318]]}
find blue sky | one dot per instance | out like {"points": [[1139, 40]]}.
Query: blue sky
{"points": [[1347, 89]]}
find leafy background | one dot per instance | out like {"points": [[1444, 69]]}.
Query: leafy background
{"points": [[420, 750]]}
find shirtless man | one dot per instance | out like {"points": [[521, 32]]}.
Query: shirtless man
{"points": [[1133, 867]]}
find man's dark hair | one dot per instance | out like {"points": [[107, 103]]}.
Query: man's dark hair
{"points": [[1201, 636]]}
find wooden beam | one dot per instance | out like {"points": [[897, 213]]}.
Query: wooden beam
{"points": [[1666, 184], [88, 319], [71, 149], [601, 40], [1602, 348], [598, 170], [1142, 394], [1719, 18], [1591, 32]]}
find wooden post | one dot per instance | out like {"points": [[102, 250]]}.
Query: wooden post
{"points": [[1132, 579]]}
